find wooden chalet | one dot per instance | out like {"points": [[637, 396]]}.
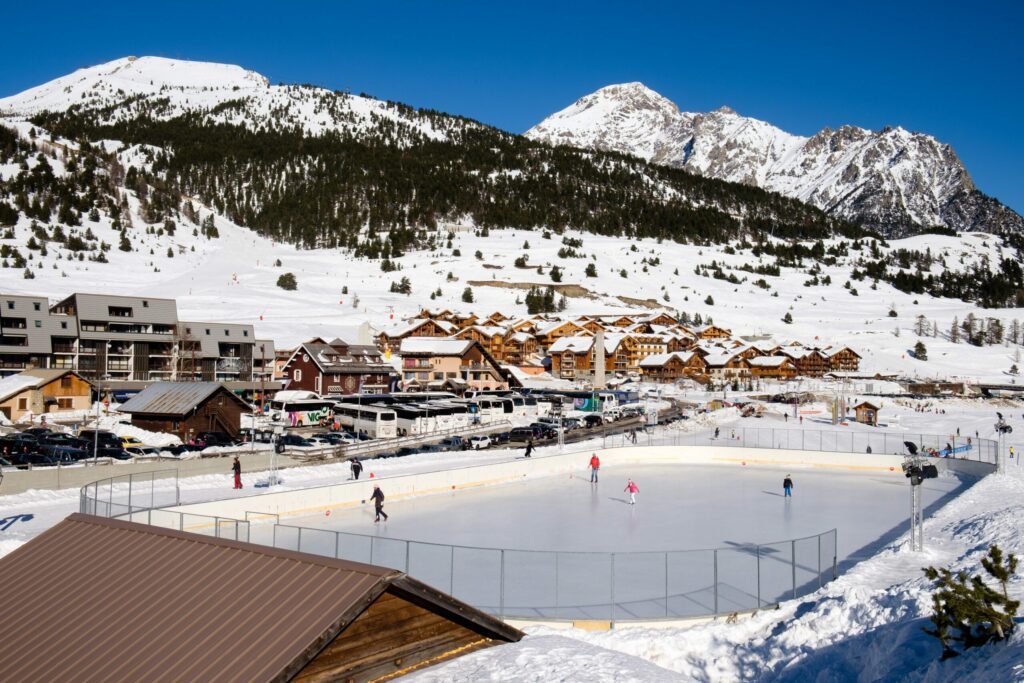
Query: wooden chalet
{"points": [[163, 604], [772, 367], [339, 368], [662, 319], [842, 359], [712, 332], [38, 391], [491, 337], [809, 362], [391, 339], [548, 333], [186, 409], [727, 366], [669, 367]]}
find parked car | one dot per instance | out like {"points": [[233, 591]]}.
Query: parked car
{"points": [[295, 441], [479, 441], [142, 451], [571, 424], [183, 448], [499, 437], [55, 439], [208, 439], [593, 421], [102, 437], [452, 443], [37, 431], [522, 434], [543, 430], [24, 460], [64, 454], [115, 452], [130, 442]]}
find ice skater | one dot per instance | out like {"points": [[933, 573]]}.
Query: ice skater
{"points": [[236, 467], [716, 432], [357, 468], [787, 486], [633, 489], [378, 504], [529, 448], [595, 465]]}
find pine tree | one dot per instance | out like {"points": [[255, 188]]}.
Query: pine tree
{"points": [[556, 274], [921, 326], [591, 270], [788, 318], [954, 331], [709, 301], [467, 295], [287, 282], [969, 612], [920, 352]]}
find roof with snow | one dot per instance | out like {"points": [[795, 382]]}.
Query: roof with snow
{"points": [[768, 361], [31, 379], [437, 346], [656, 360]]}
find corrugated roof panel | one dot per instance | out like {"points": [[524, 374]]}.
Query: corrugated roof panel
{"points": [[110, 600], [170, 398]]}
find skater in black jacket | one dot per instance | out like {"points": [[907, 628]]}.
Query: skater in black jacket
{"points": [[357, 468], [378, 503], [529, 448], [787, 486]]}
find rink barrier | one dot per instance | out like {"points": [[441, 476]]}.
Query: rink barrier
{"points": [[532, 585]]}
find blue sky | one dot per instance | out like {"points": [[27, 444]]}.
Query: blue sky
{"points": [[951, 69]]}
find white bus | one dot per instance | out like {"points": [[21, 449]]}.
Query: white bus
{"points": [[376, 422], [302, 412], [412, 420]]}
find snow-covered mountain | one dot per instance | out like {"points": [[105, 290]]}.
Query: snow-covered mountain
{"points": [[893, 180], [220, 93]]}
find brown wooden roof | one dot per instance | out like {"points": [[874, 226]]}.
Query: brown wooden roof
{"points": [[102, 599]]}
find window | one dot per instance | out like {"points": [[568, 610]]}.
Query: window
{"points": [[37, 306], [298, 375], [119, 311], [227, 333], [245, 333], [39, 323], [145, 304], [65, 382], [188, 330], [63, 325], [64, 403], [10, 305], [22, 404], [207, 332]]}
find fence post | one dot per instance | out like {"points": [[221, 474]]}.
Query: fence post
{"points": [[819, 560], [152, 489], [716, 579], [501, 586], [557, 602], [451, 569], [666, 584], [792, 558], [131, 482], [407, 557], [299, 548], [758, 576], [611, 607]]}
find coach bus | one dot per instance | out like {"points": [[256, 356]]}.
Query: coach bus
{"points": [[301, 412], [377, 422]]}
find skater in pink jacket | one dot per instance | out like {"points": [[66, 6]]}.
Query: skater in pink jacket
{"points": [[633, 490]]}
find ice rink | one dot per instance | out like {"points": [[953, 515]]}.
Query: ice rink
{"points": [[678, 508]]}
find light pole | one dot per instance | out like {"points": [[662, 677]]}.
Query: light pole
{"points": [[96, 430]]}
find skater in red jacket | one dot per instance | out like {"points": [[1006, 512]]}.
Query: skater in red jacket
{"points": [[633, 490], [595, 465], [236, 467]]}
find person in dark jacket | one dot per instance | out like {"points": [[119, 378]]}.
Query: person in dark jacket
{"points": [[378, 503], [787, 486], [357, 468], [529, 448], [236, 467]]}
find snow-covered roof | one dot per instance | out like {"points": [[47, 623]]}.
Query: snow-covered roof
{"points": [[28, 379], [767, 361], [656, 360], [438, 346]]}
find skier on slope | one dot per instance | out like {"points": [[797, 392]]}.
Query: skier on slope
{"points": [[633, 490], [787, 486], [378, 503], [595, 465], [357, 468]]}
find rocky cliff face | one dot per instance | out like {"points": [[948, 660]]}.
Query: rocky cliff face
{"points": [[892, 180]]}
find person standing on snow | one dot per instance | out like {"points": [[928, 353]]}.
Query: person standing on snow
{"points": [[716, 432], [357, 468], [378, 503], [529, 448], [595, 465], [633, 490], [236, 467], [787, 486]]}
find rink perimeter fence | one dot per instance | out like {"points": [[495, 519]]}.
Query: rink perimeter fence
{"points": [[557, 585]]}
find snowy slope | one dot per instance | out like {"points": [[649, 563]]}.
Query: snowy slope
{"points": [[221, 93], [887, 179]]}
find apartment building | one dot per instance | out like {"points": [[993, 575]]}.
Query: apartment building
{"points": [[126, 338]]}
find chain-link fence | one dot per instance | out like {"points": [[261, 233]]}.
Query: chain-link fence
{"points": [[832, 441], [530, 584]]}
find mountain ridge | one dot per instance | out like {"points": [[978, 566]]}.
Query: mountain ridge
{"points": [[893, 180]]}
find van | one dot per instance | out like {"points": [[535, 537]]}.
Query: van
{"points": [[104, 438]]}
